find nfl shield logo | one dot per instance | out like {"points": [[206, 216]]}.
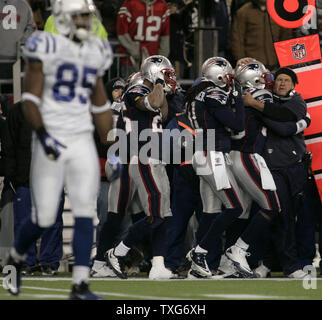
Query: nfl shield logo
{"points": [[298, 51]]}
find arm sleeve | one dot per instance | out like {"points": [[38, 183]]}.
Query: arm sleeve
{"points": [[277, 112], [124, 18], [229, 118], [283, 129]]}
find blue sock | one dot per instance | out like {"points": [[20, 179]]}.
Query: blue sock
{"points": [[83, 241], [28, 234]]}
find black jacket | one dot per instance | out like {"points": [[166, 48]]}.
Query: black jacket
{"points": [[282, 152], [16, 146]]}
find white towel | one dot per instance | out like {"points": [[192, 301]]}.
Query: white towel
{"points": [[219, 168], [266, 176]]}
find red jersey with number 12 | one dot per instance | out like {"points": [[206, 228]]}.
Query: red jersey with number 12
{"points": [[145, 23]]}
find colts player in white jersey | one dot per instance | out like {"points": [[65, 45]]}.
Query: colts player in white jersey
{"points": [[63, 95]]}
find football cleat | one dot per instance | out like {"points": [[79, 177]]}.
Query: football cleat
{"points": [[82, 292], [102, 272], [262, 271], [193, 274], [48, 271], [116, 263], [298, 274], [238, 256], [199, 262]]}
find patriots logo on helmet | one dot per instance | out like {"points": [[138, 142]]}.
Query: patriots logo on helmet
{"points": [[155, 59]]}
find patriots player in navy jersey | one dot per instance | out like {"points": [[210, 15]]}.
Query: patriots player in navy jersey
{"points": [[145, 108], [208, 107]]}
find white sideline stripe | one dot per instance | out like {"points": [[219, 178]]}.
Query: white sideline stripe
{"points": [[247, 296], [113, 294], [170, 280]]}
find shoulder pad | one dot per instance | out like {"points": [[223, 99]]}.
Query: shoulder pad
{"points": [[261, 95], [39, 45], [106, 54], [139, 89], [217, 94]]}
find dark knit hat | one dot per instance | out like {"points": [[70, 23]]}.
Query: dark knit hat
{"points": [[288, 72]]}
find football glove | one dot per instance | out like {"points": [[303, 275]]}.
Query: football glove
{"points": [[113, 167], [49, 144]]}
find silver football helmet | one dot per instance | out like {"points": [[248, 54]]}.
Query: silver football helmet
{"points": [[134, 79], [252, 75], [218, 70], [68, 19], [159, 67]]}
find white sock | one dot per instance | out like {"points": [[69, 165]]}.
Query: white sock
{"points": [[98, 264], [121, 250], [17, 256], [80, 274], [241, 244], [200, 250], [158, 261]]}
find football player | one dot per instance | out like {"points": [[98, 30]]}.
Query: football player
{"points": [[146, 107], [63, 91], [208, 107]]}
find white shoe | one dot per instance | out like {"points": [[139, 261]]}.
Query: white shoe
{"points": [[160, 273], [298, 274], [238, 257], [226, 266], [102, 272], [116, 263], [261, 271]]}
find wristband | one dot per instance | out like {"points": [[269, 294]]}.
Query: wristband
{"points": [[147, 104], [101, 109], [31, 97]]}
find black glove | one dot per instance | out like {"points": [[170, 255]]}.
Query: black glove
{"points": [[49, 144]]}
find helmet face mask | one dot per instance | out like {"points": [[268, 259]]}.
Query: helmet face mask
{"points": [[159, 67], [74, 18], [219, 71], [253, 75]]}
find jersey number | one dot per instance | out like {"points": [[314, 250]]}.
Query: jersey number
{"points": [[155, 20], [67, 78]]}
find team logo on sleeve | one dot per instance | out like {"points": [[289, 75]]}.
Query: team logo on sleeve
{"points": [[298, 51]]}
